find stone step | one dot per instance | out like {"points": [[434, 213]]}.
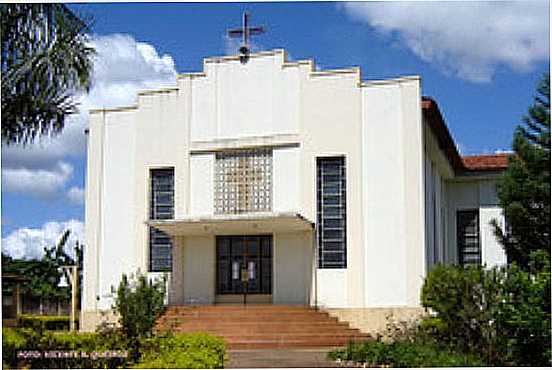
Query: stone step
{"points": [[280, 344], [242, 312], [262, 326], [247, 307], [256, 321], [288, 336], [282, 331]]}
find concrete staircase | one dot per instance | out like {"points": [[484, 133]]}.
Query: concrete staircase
{"points": [[261, 326]]}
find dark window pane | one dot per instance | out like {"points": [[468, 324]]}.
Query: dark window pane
{"points": [[266, 244], [333, 223], [244, 251], [332, 256], [223, 246], [331, 212], [467, 228], [161, 208], [333, 246]]}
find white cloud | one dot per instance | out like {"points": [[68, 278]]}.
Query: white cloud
{"points": [[122, 67], [76, 195], [42, 183], [469, 39], [29, 243]]}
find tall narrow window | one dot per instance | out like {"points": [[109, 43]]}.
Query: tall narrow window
{"points": [[161, 208], [467, 231], [331, 212]]}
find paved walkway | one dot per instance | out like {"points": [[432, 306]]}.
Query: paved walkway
{"points": [[267, 358]]}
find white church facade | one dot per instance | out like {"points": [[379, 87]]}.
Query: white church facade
{"points": [[276, 183]]}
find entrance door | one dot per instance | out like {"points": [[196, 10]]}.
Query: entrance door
{"points": [[240, 255]]}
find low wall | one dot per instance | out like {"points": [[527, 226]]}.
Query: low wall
{"points": [[374, 320], [90, 320]]}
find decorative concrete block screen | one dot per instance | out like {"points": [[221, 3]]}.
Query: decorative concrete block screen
{"points": [[243, 181]]}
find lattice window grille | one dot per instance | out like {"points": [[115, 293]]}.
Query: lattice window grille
{"points": [[243, 181]]}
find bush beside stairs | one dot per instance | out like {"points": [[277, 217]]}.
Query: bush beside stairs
{"points": [[261, 326]]}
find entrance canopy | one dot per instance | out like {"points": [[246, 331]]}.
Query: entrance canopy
{"points": [[238, 224]]}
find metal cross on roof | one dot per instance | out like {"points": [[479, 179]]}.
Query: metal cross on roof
{"points": [[244, 33]]}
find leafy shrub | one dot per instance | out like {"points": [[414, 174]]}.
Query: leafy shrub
{"points": [[191, 351], [12, 341], [139, 302], [432, 327], [502, 313], [403, 354], [465, 301], [39, 322]]}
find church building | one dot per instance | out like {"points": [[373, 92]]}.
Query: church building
{"points": [[267, 181]]}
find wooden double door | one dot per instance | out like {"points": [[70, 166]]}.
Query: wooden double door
{"points": [[244, 264]]}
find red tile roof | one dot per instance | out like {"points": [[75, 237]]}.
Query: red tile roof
{"points": [[489, 162], [492, 162]]}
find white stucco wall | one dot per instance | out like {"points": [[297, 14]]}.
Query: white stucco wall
{"points": [[392, 204], [492, 252], [480, 194], [286, 178], [161, 127], [331, 287], [202, 184], [93, 214], [116, 242], [331, 126], [435, 213], [292, 268], [176, 286], [198, 259], [235, 100]]}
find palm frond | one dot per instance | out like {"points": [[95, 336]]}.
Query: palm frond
{"points": [[46, 58]]}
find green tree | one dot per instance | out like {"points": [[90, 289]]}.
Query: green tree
{"points": [[44, 274], [524, 189], [45, 60]]}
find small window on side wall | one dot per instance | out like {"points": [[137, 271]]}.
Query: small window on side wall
{"points": [[468, 238]]}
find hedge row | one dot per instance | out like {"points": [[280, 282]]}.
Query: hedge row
{"points": [[43, 322], [29, 348]]}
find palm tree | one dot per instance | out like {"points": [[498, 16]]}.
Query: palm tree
{"points": [[45, 60]]}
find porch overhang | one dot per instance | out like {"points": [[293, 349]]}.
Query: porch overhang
{"points": [[238, 224]]}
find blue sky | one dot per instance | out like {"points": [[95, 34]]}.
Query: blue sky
{"points": [[480, 61]]}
